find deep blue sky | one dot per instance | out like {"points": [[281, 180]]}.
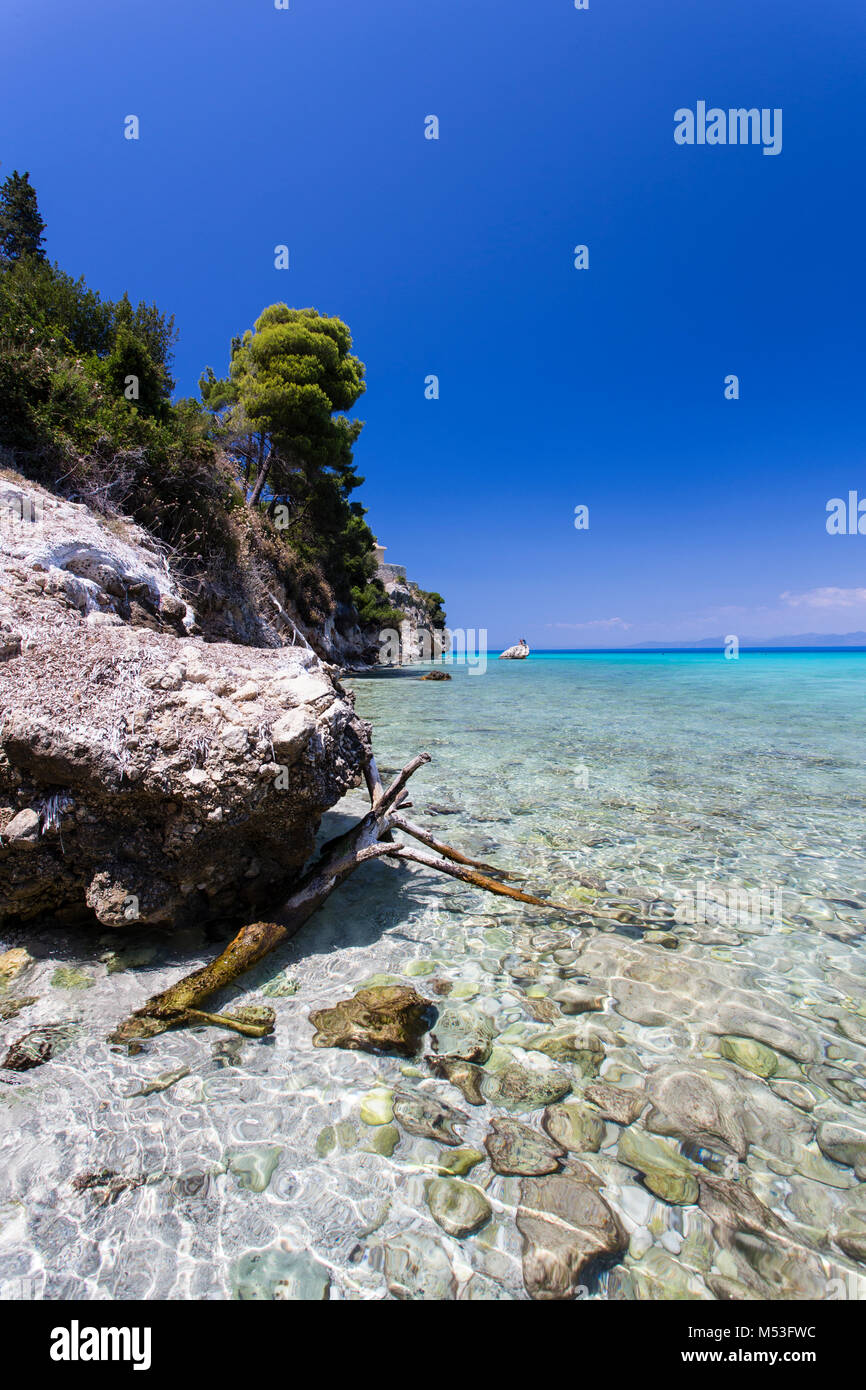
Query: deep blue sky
{"points": [[558, 387]]}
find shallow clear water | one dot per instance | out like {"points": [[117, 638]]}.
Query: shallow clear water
{"points": [[617, 784]]}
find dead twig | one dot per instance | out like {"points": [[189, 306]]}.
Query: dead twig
{"points": [[370, 838]]}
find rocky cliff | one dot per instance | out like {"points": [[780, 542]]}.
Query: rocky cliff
{"points": [[146, 774], [419, 640]]}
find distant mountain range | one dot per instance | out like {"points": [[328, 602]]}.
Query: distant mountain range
{"points": [[800, 639]]}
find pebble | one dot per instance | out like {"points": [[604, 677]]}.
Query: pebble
{"points": [[417, 1268], [383, 1140], [752, 1056], [458, 1207], [428, 1117], [459, 1162], [576, 1000], [575, 1126], [665, 1171], [377, 1106], [516, 1149], [615, 1103], [255, 1167]]}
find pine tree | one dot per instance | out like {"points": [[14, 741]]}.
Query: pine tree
{"points": [[21, 226]]}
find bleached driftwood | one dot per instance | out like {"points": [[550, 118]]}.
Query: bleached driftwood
{"points": [[371, 838]]}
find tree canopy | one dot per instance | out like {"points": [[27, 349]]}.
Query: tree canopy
{"points": [[21, 227], [86, 396], [279, 413]]}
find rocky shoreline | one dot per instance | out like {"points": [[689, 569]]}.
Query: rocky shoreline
{"points": [[148, 776]]}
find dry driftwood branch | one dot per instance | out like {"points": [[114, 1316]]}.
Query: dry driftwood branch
{"points": [[445, 850], [472, 876], [371, 838]]}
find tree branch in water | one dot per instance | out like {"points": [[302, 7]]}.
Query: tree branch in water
{"points": [[371, 838]]}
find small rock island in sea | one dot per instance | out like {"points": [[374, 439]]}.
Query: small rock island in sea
{"points": [[517, 653]]}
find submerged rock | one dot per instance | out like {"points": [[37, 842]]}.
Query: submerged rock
{"points": [[658, 1276], [377, 1106], [462, 1034], [481, 1289], [12, 963], [714, 1101], [520, 1088], [844, 1144], [543, 1010], [253, 1168], [283, 986], [615, 1103], [851, 1234], [417, 1267], [459, 1162], [794, 1092], [665, 1171], [466, 1076], [575, 1126], [458, 1207], [578, 999], [566, 1226], [12, 1007], [516, 1149], [428, 1117], [383, 1141], [753, 1056], [384, 1018], [581, 1047], [70, 977], [39, 1046], [281, 1275], [767, 1258]]}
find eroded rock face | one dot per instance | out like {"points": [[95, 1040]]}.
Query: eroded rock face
{"points": [[145, 774]]}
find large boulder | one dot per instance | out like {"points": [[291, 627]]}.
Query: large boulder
{"points": [[148, 776]]}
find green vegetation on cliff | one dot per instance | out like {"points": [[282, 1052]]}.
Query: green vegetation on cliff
{"points": [[265, 458]]}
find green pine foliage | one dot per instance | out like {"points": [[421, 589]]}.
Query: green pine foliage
{"points": [[21, 227], [279, 413], [86, 404]]}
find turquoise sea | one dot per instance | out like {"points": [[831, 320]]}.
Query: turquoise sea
{"points": [[704, 819]]}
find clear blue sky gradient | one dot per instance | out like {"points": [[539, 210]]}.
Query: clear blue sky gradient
{"points": [[454, 257]]}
